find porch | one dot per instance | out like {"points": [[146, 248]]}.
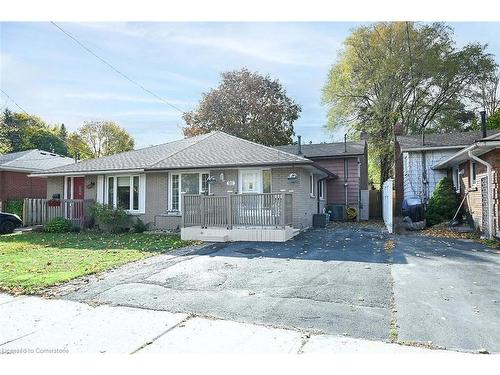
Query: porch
{"points": [[38, 211], [238, 217]]}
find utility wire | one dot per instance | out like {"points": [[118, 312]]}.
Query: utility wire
{"points": [[115, 69], [13, 101]]}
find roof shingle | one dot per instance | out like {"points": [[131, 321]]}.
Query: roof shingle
{"points": [[33, 160], [215, 149], [458, 139], [318, 150]]}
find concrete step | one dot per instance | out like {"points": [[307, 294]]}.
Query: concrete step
{"points": [[214, 238]]}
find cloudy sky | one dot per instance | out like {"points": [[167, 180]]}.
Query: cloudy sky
{"points": [[49, 75]]}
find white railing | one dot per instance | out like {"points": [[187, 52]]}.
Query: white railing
{"points": [[387, 204]]}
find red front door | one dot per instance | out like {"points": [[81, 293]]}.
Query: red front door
{"points": [[78, 187]]}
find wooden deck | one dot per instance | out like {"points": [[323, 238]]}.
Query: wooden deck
{"points": [[237, 217]]}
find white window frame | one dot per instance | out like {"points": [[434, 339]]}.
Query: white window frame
{"points": [[180, 173], [142, 192], [260, 179], [311, 185], [472, 178], [321, 192]]}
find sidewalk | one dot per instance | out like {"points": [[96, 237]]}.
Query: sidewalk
{"points": [[37, 325]]}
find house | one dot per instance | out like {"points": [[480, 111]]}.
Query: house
{"points": [[415, 157], [347, 160], [475, 171], [15, 168], [214, 187]]}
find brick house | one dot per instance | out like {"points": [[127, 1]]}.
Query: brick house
{"points": [[347, 160], [475, 172], [15, 168], [415, 158]]}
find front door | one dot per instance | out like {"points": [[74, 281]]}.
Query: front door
{"points": [[78, 187], [75, 189]]}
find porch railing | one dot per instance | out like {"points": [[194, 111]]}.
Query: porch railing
{"points": [[248, 210], [41, 211]]}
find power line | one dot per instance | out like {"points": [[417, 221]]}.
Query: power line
{"points": [[13, 101], [115, 69]]}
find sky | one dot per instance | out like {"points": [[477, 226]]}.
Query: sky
{"points": [[51, 76]]}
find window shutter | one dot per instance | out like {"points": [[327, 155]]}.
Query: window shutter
{"points": [[100, 189]]}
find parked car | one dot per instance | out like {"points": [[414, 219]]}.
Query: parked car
{"points": [[9, 222]]}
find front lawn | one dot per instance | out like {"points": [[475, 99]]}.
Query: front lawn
{"points": [[31, 261]]}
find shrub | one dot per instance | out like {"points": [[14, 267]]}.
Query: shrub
{"points": [[139, 226], [13, 207], [58, 225], [443, 203], [110, 219]]}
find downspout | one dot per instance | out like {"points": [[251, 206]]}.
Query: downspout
{"points": [[490, 193]]}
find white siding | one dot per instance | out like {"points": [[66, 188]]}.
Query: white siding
{"points": [[413, 172]]}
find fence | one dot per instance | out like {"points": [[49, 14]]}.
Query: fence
{"points": [[387, 204], [41, 211], [268, 209]]}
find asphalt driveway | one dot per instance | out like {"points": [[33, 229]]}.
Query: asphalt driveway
{"points": [[352, 281]]}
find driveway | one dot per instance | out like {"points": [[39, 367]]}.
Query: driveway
{"points": [[351, 281]]}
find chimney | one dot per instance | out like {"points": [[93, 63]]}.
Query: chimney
{"points": [[363, 135], [299, 144], [483, 123], [398, 129]]}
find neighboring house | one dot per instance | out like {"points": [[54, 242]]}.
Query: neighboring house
{"points": [[15, 168], [214, 187], [414, 159], [347, 160], [476, 171]]}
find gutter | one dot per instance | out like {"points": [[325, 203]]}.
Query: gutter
{"points": [[490, 191], [81, 173], [465, 151]]}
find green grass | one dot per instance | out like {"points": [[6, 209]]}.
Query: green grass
{"points": [[29, 262]]}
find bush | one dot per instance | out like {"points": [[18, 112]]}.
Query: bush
{"points": [[110, 219], [139, 226], [13, 207], [443, 203], [58, 225]]}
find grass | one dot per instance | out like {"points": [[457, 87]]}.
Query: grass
{"points": [[29, 262]]}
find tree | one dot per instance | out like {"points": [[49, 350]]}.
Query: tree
{"points": [[399, 72], [22, 132], [443, 203], [486, 94], [103, 138], [247, 105]]}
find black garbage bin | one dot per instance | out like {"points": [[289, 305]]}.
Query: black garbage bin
{"points": [[413, 208]]}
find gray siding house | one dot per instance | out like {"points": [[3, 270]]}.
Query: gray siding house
{"points": [[215, 187]]}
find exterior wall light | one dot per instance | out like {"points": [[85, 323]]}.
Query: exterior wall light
{"points": [[292, 177]]}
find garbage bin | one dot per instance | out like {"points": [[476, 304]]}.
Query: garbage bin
{"points": [[413, 208]]}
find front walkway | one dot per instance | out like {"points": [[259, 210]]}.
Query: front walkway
{"points": [[35, 325]]}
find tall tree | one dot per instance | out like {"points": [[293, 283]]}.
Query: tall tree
{"points": [[24, 132], [399, 72], [486, 94], [104, 138], [247, 105]]}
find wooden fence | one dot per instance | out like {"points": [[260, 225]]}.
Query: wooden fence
{"points": [[246, 210], [41, 211]]}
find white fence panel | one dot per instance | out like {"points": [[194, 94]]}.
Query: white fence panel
{"points": [[387, 204]]}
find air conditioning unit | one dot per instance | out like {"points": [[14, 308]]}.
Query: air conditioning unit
{"points": [[337, 212]]}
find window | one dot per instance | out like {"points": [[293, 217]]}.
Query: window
{"points": [[473, 173], [251, 181], [266, 181], [321, 189], [125, 192], [311, 185], [186, 183]]}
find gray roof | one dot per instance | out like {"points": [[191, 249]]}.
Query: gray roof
{"points": [[458, 140], [215, 149], [33, 161], [321, 150]]}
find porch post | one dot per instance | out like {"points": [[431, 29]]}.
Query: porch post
{"points": [[229, 212], [282, 210], [202, 210]]}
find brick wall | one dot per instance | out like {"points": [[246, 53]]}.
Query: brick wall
{"points": [[473, 202], [17, 185], [398, 178]]}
